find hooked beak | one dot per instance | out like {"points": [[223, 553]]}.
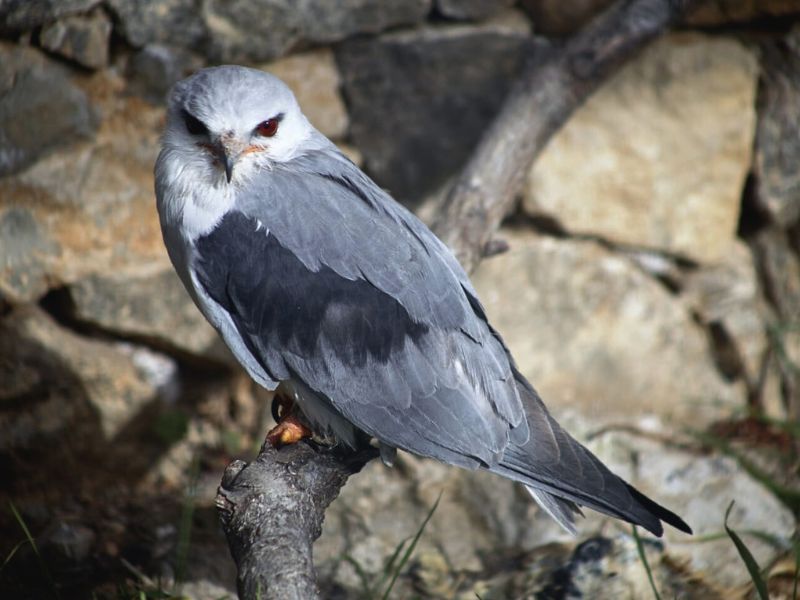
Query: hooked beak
{"points": [[229, 149], [229, 161]]}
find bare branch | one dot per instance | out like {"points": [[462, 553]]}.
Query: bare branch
{"points": [[545, 96], [272, 511]]}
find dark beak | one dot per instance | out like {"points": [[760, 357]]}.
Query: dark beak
{"points": [[229, 161]]}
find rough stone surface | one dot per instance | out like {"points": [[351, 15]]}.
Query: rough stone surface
{"points": [[25, 15], [417, 107], [83, 39], [720, 12], [603, 567], [40, 109], [314, 79], [478, 513], [471, 10], [658, 157], [778, 134], [594, 333], [175, 22], [700, 487], [560, 17], [728, 295], [64, 382], [329, 22], [488, 537], [88, 208], [153, 70], [228, 31], [25, 250], [779, 266], [149, 304]]}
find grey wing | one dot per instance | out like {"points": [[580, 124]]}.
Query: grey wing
{"points": [[327, 282], [326, 286]]}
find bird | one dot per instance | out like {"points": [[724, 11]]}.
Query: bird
{"points": [[326, 288]]}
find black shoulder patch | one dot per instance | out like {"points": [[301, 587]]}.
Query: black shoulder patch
{"points": [[277, 302]]}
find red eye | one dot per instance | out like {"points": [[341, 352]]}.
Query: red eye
{"points": [[267, 128]]}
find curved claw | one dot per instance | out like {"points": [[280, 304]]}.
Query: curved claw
{"points": [[280, 407]]}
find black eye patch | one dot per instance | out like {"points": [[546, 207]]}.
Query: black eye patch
{"points": [[194, 125]]}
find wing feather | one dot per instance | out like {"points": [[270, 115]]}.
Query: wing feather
{"points": [[411, 383]]}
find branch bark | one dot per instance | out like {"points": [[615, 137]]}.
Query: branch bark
{"points": [[272, 509], [542, 100]]}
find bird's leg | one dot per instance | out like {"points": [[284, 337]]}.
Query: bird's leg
{"points": [[289, 429]]}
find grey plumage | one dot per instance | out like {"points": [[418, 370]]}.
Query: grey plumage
{"points": [[317, 279]]}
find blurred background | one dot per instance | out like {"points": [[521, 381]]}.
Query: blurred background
{"points": [[651, 292]]}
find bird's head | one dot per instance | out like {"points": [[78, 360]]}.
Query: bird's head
{"points": [[230, 119]]}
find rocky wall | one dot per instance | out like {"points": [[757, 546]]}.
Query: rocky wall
{"points": [[651, 290]]}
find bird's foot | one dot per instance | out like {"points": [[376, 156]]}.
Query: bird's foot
{"points": [[290, 430]]}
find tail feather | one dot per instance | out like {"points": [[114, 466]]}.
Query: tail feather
{"points": [[560, 473], [562, 511]]}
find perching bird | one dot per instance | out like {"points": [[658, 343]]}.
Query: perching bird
{"points": [[319, 281]]}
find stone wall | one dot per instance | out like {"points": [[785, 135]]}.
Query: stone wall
{"points": [[651, 290]]}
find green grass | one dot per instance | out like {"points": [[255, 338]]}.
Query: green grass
{"points": [[796, 568], [371, 584], [643, 558], [789, 496], [29, 539], [185, 525], [747, 557]]}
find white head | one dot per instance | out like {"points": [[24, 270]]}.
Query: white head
{"points": [[227, 120], [224, 126]]}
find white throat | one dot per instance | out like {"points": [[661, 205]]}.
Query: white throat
{"points": [[194, 195]]}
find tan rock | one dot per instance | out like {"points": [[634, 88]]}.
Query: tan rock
{"points": [[89, 208], [728, 294], [147, 304], [478, 513], [658, 157], [700, 488], [82, 38], [71, 383], [594, 333], [314, 78]]}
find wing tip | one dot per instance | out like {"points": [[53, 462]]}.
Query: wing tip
{"points": [[658, 514]]}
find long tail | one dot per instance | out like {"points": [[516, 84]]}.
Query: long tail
{"points": [[561, 474]]}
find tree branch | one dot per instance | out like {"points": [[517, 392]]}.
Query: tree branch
{"points": [[542, 100], [272, 509]]}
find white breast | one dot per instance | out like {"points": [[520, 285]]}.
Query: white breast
{"points": [[192, 193]]}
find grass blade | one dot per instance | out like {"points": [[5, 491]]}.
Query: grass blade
{"points": [[388, 568], [12, 553], [788, 495], [747, 558], [643, 558], [390, 563], [366, 586], [185, 525], [796, 567], [410, 550], [32, 542]]}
